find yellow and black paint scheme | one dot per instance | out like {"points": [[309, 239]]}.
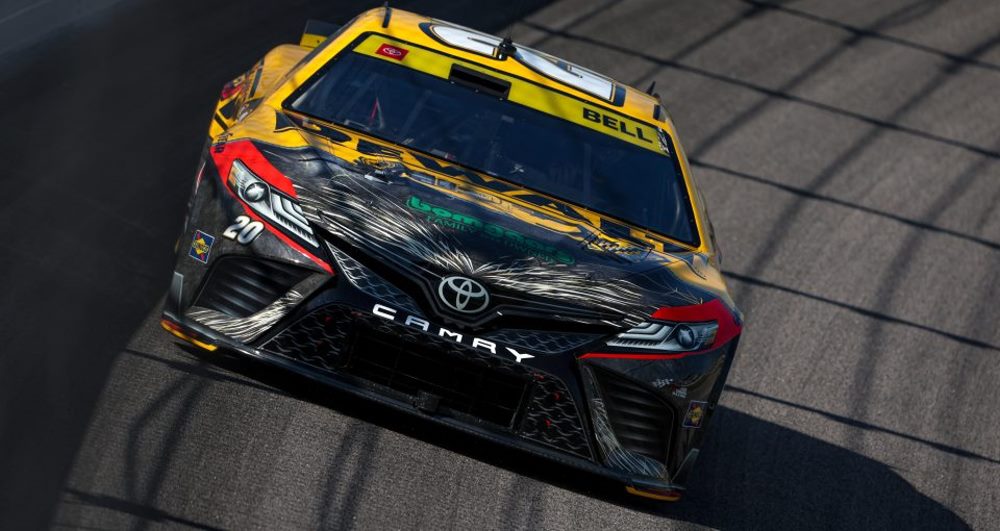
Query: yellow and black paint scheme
{"points": [[630, 273], [273, 80]]}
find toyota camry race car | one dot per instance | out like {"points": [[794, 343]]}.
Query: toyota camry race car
{"points": [[469, 230]]}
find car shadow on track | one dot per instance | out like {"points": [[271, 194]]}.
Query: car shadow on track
{"points": [[753, 474]]}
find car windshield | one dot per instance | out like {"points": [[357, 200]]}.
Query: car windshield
{"points": [[503, 139]]}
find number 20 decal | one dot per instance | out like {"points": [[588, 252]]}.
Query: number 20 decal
{"points": [[244, 230]]}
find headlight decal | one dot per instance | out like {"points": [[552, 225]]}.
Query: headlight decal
{"points": [[667, 337], [266, 196], [269, 203], [678, 332]]}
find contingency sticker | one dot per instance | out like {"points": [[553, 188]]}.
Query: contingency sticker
{"points": [[201, 246], [695, 414], [392, 52]]}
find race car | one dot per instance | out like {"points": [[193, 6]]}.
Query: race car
{"points": [[471, 231]]}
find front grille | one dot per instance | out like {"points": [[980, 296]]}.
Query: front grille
{"points": [[239, 286], [371, 283], [409, 365], [464, 386], [319, 339], [641, 421], [542, 341], [551, 417]]}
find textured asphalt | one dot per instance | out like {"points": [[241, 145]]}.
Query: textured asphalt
{"points": [[849, 152]]}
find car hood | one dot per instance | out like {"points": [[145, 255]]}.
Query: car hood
{"points": [[427, 218]]}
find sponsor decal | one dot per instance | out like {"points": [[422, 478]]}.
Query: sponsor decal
{"points": [[463, 294], [392, 52], [695, 414], [681, 392], [244, 230], [220, 142], [630, 253], [201, 246], [508, 237], [617, 124], [660, 383], [393, 314], [231, 88]]}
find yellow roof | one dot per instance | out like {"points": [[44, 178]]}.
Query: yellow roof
{"points": [[406, 26]]}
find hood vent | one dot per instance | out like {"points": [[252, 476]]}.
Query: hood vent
{"points": [[641, 421], [239, 286]]}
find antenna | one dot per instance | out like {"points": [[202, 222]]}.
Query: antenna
{"points": [[506, 48], [652, 87], [388, 14]]}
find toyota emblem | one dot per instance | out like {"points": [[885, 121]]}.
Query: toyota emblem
{"points": [[463, 294]]}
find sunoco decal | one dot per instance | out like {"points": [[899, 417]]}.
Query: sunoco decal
{"points": [[695, 414], [201, 246]]}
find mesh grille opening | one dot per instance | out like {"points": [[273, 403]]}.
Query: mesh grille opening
{"points": [[471, 388], [471, 384], [641, 420]]}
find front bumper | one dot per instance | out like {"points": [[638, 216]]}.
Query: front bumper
{"points": [[562, 414], [208, 339]]}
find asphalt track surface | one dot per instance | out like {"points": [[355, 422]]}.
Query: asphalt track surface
{"points": [[850, 155]]}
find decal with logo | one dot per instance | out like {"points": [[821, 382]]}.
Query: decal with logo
{"points": [[695, 414], [617, 124], [392, 52], [660, 383], [508, 237], [463, 294], [631, 252], [201, 246], [392, 314]]}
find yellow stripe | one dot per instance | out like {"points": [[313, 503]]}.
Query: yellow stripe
{"points": [[185, 337], [528, 94], [651, 495]]}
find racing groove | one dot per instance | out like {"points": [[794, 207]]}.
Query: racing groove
{"points": [[849, 154]]}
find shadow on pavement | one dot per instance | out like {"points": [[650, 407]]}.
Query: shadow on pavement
{"points": [[99, 147], [753, 474], [756, 474]]}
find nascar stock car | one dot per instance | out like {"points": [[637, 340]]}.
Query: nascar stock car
{"points": [[471, 231]]}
